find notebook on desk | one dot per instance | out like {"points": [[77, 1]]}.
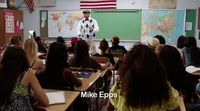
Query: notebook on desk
{"points": [[56, 97], [83, 74]]}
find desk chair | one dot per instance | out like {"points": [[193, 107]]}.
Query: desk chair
{"points": [[103, 60], [117, 65], [100, 60], [119, 55]]}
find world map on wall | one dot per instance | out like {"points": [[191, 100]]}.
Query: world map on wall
{"points": [[63, 23], [168, 23]]}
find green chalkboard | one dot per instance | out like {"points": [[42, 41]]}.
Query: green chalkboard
{"points": [[191, 17], [125, 24]]}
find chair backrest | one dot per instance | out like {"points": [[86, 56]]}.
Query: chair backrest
{"points": [[100, 59], [118, 55]]}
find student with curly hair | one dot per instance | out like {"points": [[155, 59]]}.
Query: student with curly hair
{"points": [[143, 86]]}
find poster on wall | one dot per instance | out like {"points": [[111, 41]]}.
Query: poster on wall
{"points": [[162, 4], [9, 23]]}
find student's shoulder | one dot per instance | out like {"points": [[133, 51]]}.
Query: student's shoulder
{"points": [[172, 103], [29, 73], [28, 77]]}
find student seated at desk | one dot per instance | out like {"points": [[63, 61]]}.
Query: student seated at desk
{"points": [[60, 40], [104, 51], [116, 48], [161, 39], [16, 40], [73, 43], [41, 45], [56, 74], [17, 82], [170, 59], [153, 43], [31, 50], [143, 86], [82, 58], [181, 44], [191, 52]]}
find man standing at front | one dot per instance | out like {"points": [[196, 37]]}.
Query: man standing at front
{"points": [[87, 29]]}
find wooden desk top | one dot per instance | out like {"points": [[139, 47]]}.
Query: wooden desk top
{"points": [[195, 73], [116, 59], [70, 96], [87, 82]]}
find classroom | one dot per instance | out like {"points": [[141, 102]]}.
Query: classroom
{"points": [[100, 55]]}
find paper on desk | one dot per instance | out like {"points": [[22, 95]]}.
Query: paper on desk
{"points": [[56, 97], [192, 69]]}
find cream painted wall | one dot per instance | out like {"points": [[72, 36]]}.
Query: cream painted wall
{"points": [[31, 21]]}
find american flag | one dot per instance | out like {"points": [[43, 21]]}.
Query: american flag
{"points": [[30, 4], [98, 4]]}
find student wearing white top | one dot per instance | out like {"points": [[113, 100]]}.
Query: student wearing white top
{"points": [[87, 29]]}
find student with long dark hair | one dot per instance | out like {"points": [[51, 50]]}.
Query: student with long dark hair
{"points": [[143, 86], [181, 42], [56, 74], [180, 45], [170, 58], [17, 80], [82, 58], [191, 52]]}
